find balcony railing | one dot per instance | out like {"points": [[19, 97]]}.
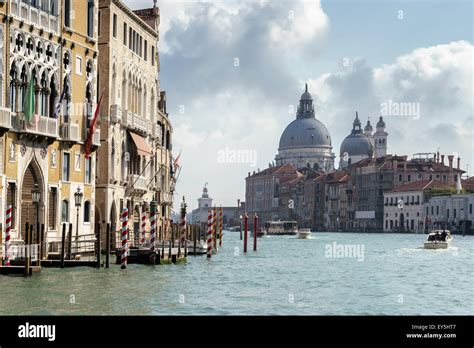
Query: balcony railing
{"points": [[115, 113], [70, 132], [45, 126], [5, 118], [137, 182]]}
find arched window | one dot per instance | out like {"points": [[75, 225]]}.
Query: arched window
{"points": [[88, 105], [124, 92], [13, 85], [112, 159], [67, 99], [124, 160], [87, 211], [23, 88], [53, 94], [65, 211], [43, 96]]}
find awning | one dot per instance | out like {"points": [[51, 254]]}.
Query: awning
{"points": [[142, 147]]}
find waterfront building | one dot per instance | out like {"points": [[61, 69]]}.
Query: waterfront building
{"points": [[359, 145], [451, 211], [306, 142], [135, 163], [403, 206], [263, 195], [48, 98]]}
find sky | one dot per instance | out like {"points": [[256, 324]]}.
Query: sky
{"points": [[234, 72]]}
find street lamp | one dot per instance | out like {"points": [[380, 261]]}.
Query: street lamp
{"points": [[78, 201]]}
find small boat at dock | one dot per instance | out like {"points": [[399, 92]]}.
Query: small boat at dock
{"points": [[438, 239], [201, 247]]}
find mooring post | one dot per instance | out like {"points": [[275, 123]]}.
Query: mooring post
{"points": [[152, 232], [28, 250], [124, 238], [194, 228], [8, 227], [42, 244], [69, 242], [171, 244], [98, 244], [255, 223], [63, 245], [214, 230], [107, 247], [38, 232], [220, 226], [209, 234], [245, 231]]}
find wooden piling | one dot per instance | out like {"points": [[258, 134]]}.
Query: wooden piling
{"points": [[26, 250], [194, 228], [63, 245], [69, 242], [42, 243], [255, 222], [98, 244], [107, 248], [245, 231]]}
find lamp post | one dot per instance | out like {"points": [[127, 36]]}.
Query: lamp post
{"points": [[36, 196], [78, 202]]}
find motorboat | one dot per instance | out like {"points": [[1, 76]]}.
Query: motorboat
{"points": [[279, 228], [201, 247], [304, 233], [260, 233], [438, 239]]}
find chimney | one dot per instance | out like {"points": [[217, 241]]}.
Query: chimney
{"points": [[248, 174], [450, 159], [437, 156], [254, 172], [459, 162], [442, 159]]}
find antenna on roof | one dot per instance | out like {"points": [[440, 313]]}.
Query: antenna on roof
{"points": [[154, 3]]}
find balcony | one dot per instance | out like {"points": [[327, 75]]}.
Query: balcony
{"points": [[156, 133], [45, 126], [140, 124], [115, 113], [127, 118], [5, 119], [137, 184], [35, 16], [70, 132]]}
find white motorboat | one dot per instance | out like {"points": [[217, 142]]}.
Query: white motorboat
{"points": [[438, 239], [304, 233], [201, 247]]}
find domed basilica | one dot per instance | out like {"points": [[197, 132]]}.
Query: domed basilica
{"points": [[306, 142]]}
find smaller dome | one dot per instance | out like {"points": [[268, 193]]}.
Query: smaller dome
{"points": [[357, 144], [381, 123], [368, 127]]}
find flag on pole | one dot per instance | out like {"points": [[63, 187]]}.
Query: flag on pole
{"points": [[92, 128], [29, 103]]}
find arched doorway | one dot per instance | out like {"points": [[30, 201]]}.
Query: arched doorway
{"points": [[30, 213]]}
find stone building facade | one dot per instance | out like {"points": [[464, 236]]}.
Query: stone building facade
{"points": [[52, 46], [135, 161]]}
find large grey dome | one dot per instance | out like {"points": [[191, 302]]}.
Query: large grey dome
{"points": [[305, 132], [357, 144]]}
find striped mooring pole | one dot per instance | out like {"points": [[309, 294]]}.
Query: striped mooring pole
{"points": [[124, 238], [209, 234], [152, 225], [220, 226], [8, 227], [184, 237], [143, 227], [214, 230], [255, 231]]}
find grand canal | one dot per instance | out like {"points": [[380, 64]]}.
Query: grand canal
{"points": [[394, 275]]}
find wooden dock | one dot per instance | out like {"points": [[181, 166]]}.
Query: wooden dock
{"points": [[18, 270]]}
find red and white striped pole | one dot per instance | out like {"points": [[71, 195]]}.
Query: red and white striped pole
{"points": [[8, 227], [209, 234], [152, 225], [124, 237], [220, 226], [214, 230], [143, 227]]}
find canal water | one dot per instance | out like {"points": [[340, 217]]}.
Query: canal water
{"points": [[329, 274]]}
